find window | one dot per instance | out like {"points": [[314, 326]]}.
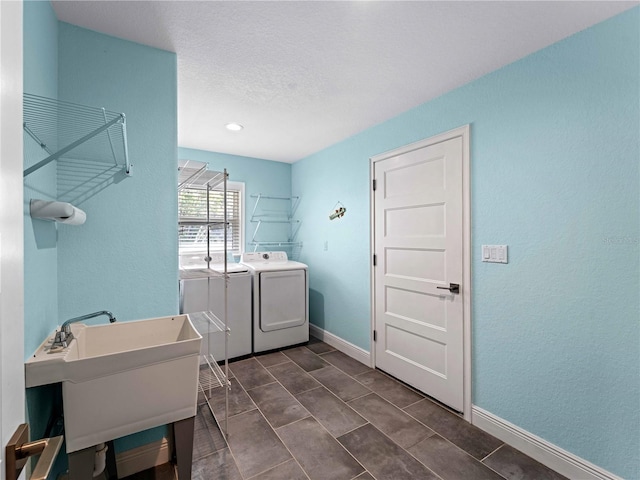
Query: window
{"points": [[194, 220]]}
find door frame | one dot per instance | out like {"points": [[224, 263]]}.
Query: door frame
{"points": [[463, 132], [12, 390]]}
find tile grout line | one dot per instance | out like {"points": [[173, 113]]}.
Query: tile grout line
{"points": [[340, 444], [240, 413], [411, 404], [393, 406], [489, 467], [276, 466], [456, 446], [322, 426], [274, 430], [346, 402], [467, 453], [353, 377], [400, 447], [304, 391], [361, 474], [358, 397], [258, 357], [494, 451], [225, 435], [259, 386], [303, 371], [239, 383], [355, 428], [397, 381]]}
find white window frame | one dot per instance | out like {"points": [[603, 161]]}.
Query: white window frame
{"points": [[240, 188]]}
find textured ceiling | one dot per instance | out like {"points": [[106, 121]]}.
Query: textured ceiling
{"points": [[301, 76]]}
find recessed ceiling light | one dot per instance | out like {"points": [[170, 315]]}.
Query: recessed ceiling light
{"points": [[234, 127]]}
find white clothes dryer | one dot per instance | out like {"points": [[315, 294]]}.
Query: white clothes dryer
{"points": [[280, 300], [202, 289]]}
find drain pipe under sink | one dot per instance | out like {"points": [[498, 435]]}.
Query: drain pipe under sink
{"points": [[101, 459]]}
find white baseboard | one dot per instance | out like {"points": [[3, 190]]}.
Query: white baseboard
{"points": [[547, 453], [338, 343], [143, 457]]}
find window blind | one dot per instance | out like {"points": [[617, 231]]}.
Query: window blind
{"points": [[193, 221]]}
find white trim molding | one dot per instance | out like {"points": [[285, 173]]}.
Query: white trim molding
{"points": [[338, 343], [547, 453], [143, 457]]}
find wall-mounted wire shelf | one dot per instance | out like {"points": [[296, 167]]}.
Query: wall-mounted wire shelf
{"points": [[272, 209], [288, 213], [295, 225], [74, 132], [256, 245], [272, 197], [273, 218], [192, 174]]}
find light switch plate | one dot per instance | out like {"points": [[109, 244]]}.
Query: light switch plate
{"points": [[495, 253]]}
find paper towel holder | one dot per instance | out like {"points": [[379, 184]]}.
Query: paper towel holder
{"points": [[56, 211]]}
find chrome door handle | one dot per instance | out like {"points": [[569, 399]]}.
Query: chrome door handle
{"points": [[453, 288]]}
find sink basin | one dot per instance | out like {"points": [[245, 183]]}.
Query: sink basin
{"points": [[121, 378]]}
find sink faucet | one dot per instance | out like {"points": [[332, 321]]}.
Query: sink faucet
{"points": [[64, 336]]}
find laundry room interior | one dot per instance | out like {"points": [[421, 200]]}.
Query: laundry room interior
{"points": [[549, 339]]}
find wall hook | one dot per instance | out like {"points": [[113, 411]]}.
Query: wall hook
{"points": [[338, 211]]}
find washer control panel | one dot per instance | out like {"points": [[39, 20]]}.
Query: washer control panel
{"points": [[264, 257]]}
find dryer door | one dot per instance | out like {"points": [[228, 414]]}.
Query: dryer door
{"points": [[283, 300]]}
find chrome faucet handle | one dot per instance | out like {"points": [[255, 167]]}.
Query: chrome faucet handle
{"points": [[60, 340]]}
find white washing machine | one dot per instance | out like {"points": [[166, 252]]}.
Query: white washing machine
{"points": [[280, 300], [202, 289]]}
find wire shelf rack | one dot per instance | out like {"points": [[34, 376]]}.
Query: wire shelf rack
{"points": [[192, 174], [212, 376], [75, 133]]}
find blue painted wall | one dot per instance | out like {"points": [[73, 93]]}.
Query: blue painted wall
{"points": [[124, 258], [40, 248], [40, 63], [259, 176], [555, 175]]}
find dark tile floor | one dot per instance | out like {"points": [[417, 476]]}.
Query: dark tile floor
{"points": [[314, 413]]}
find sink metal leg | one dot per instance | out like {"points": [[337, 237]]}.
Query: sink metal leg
{"points": [[183, 441], [81, 464], [112, 467]]}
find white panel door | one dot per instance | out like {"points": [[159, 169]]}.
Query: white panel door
{"points": [[418, 242]]}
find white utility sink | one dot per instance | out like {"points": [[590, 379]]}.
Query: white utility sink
{"points": [[121, 378]]}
